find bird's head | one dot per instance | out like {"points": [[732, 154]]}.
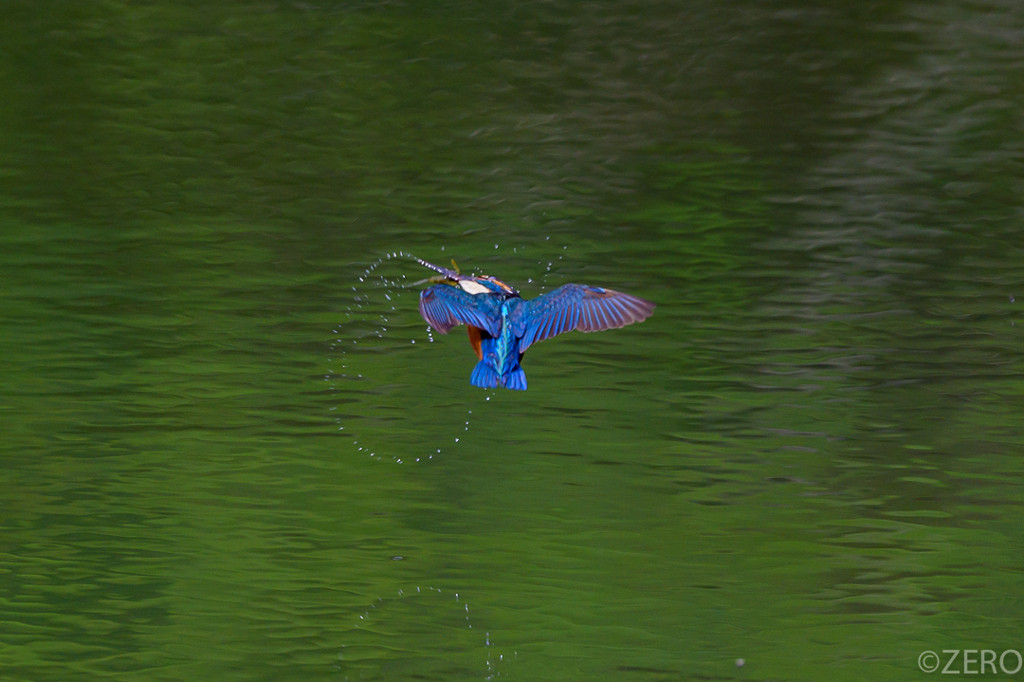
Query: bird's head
{"points": [[471, 284]]}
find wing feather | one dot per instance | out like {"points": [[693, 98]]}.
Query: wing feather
{"points": [[444, 306], [580, 307], [619, 309]]}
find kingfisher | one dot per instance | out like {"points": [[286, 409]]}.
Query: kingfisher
{"points": [[502, 326]]}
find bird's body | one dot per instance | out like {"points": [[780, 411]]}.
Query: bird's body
{"points": [[502, 326]]}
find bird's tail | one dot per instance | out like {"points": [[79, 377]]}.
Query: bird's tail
{"points": [[516, 380], [484, 375]]}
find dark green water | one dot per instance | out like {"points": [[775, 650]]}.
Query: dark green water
{"points": [[232, 451]]}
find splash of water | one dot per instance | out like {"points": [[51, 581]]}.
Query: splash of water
{"points": [[377, 298], [447, 610]]}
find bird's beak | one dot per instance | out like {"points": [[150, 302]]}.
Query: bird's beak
{"points": [[436, 279]]}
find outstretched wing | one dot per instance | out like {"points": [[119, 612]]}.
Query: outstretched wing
{"points": [[445, 306], [577, 306]]}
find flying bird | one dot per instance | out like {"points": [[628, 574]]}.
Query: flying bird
{"points": [[502, 326]]}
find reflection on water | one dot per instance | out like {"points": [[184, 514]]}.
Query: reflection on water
{"points": [[234, 449]]}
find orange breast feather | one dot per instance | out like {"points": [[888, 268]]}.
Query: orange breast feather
{"points": [[474, 340]]}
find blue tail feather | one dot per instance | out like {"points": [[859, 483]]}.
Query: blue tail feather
{"points": [[484, 375], [516, 380]]}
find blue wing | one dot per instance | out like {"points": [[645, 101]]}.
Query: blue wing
{"points": [[577, 306], [445, 306]]}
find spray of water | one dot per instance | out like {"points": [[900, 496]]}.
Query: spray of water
{"points": [[445, 608], [377, 297]]}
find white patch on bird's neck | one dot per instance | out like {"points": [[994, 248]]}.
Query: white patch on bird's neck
{"points": [[471, 287]]}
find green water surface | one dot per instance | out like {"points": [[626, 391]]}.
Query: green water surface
{"points": [[232, 449]]}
